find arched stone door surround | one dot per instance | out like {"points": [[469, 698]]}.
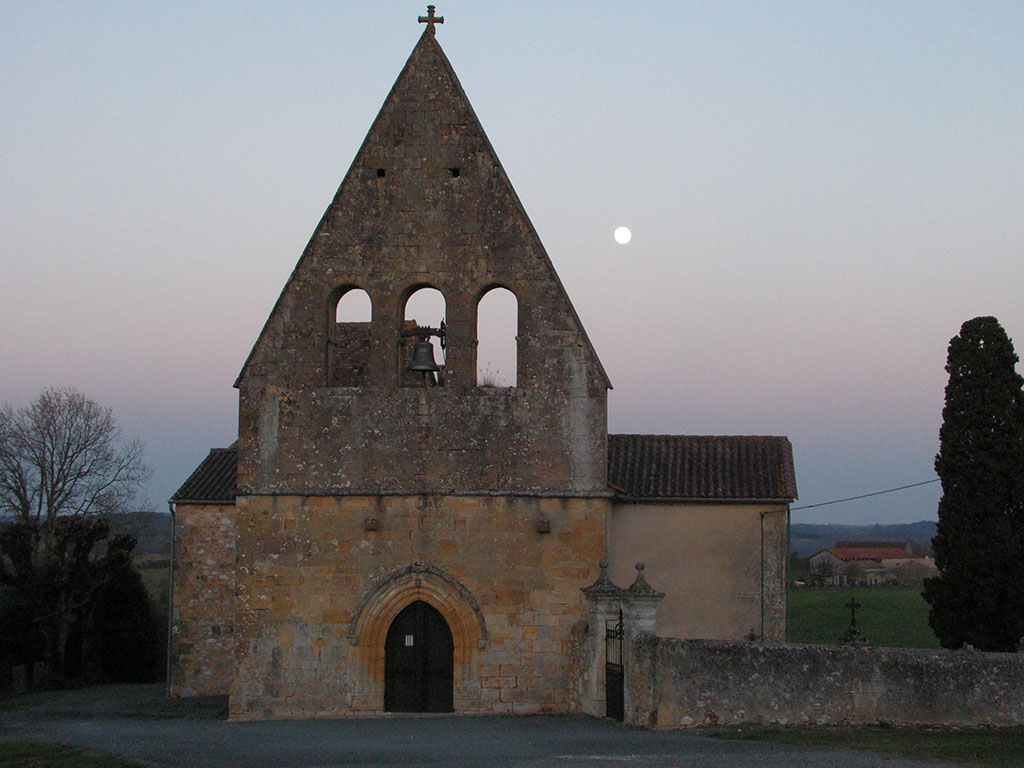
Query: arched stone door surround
{"points": [[378, 609]]}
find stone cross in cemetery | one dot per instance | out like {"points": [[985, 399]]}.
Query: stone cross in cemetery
{"points": [[853, 605], [852, 636]]}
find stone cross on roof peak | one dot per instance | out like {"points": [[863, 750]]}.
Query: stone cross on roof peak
{"points": [[430, 19]]}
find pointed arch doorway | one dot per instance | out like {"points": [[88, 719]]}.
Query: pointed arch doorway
{"points": [[419, 661]]}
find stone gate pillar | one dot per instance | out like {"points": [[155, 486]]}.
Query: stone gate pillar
{"points": [[641, 606], [640, 620], [604, 601]]}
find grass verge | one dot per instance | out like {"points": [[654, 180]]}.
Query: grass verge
{"points": [[890, 617], [155, 573], [34, 754], [987, 747]]}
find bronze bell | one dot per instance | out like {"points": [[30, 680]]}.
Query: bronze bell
{"points": [[423, 358]]}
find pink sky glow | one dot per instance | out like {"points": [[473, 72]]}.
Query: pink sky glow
{"points": [[819, 194]]}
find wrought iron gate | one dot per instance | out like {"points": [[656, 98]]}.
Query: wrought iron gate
{"points": [[614, 693]]}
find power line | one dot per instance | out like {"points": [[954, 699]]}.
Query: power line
{"points": [[865, 495]]}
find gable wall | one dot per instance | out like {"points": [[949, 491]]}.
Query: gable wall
{"points": [[419, 225]]}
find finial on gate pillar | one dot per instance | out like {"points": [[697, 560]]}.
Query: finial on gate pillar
{"points": [[640, 587], [430, 19], [642, 605], [603, 588]]}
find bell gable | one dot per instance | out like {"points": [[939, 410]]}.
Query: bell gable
{"points": [[346, 407]]}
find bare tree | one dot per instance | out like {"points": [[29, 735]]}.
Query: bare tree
{"points": [[63, 455], [63, 468]]}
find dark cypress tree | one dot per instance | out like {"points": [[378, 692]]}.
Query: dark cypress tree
{"points": [[978, 597], [125, 631]]}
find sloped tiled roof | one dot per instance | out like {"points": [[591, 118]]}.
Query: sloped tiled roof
{"points": [[860, 544], [701, 468], [870, 553], [640, 468], [213, 481]]}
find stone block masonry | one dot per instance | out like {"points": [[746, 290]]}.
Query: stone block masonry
{"points": [[682, 683], [318, 588], [203, 611]]}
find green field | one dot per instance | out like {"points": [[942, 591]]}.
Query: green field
{"points": [[890, 617], [155, 573]]}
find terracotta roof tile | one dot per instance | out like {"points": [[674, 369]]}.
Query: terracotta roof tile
{"points": [[213, 481], [701, 468], [870, 545], [871, 553], [640, 467]]}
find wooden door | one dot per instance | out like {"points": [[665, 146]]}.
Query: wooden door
{"points": [[418, 661]]}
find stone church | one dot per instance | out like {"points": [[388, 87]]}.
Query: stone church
{"points": [[390, 534]]}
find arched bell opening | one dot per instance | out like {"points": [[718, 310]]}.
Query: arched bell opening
{"points": [[348, 338], [422, 341], [497, 338]]}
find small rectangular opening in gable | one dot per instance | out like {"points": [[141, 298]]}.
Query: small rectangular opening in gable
{"points": [[381, 173], [454, 172]]}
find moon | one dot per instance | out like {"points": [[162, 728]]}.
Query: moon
{"points": [[623, 235]]}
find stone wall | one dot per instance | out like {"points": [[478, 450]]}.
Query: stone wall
{"points": [[321, 578], [546, 440], [203, 613], [426, 203], [722, 566], [349, 355], [680, 683]]}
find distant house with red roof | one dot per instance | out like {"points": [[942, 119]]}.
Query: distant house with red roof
{"points": [[871, 563]]}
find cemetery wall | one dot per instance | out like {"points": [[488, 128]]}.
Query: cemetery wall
{"points": [[673, 683]]}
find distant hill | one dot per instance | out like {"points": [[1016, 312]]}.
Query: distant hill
{"points": [[806, 538], [151, 529]]}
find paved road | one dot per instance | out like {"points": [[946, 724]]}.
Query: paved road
{"points": [[137, 722]]}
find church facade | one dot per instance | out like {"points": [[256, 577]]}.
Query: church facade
{"points": [[390, 534]]}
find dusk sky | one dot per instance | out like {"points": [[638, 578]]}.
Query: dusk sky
{"points": [[820, 193]]}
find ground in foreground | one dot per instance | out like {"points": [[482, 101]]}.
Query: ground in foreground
{"points": [[30, 754], [987, 747]]}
